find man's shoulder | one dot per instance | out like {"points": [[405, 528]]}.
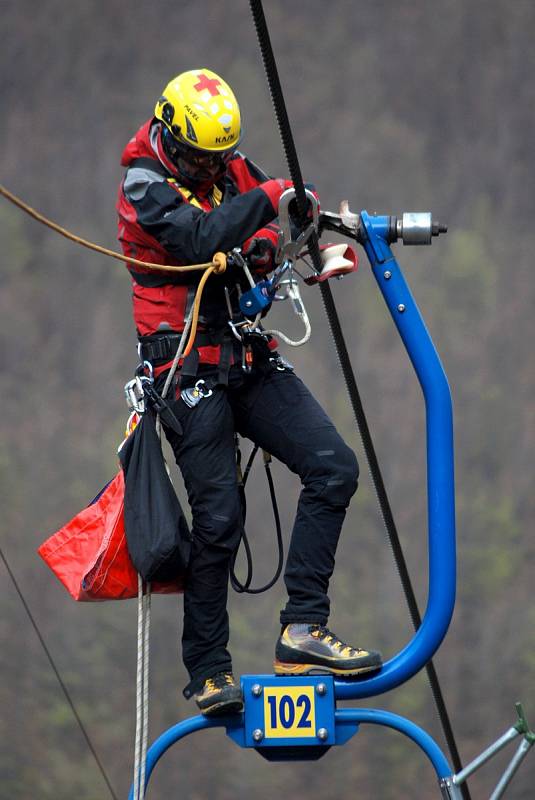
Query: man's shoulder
{"points": [[141, 174], [245, 171]]}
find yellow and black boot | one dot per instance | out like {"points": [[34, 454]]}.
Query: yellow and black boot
{"points": [[305, 649], [220, 695]]}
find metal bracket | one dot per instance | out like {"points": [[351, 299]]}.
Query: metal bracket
{"points": [[528, 740]]}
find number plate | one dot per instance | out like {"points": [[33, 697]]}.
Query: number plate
{"points": [[288, 711]]}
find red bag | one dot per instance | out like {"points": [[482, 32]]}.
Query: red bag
{"points": [[89, 554]]}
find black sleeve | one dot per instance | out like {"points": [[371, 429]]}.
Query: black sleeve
{"points": [[193, 235]]}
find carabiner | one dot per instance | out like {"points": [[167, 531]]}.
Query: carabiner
{"points": [[289, 248]]}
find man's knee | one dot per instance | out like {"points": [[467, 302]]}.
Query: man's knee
{"points": [[337, 478], [219, 525]]}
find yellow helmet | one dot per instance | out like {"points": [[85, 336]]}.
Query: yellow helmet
{"points": [[199, 109]]}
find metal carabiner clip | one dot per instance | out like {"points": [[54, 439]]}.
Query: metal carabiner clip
{"points": [[288, 248], [201, 387], [192, 396]]}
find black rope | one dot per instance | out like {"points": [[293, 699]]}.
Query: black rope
{"points": [[234, 581], [388, 519], [347, 370], [58, 676]]}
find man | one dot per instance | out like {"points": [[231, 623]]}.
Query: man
{"points": [[187, 193]]}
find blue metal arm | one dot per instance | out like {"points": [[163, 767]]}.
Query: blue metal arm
{"points": [[177, 732], [420, 737], [440, 468]]}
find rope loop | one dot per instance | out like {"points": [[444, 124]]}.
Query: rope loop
{"points": [[219, 262]]}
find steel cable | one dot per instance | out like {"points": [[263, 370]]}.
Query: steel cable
{"points": [[59, 678]]}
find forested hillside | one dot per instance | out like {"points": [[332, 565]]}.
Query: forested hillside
{"points": [[397, 106]]}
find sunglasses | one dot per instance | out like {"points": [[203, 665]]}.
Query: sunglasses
{"points": [[194, 157]]}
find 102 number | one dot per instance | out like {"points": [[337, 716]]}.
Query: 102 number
{"points": [[288, 713]]}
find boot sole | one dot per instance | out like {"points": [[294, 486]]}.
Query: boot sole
{"points": [[283, 668], [218, 709]]}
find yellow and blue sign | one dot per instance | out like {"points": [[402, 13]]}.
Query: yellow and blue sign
{"points": [[283, 711]]}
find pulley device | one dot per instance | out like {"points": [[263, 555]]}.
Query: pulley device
{"points": [[263, 293]]}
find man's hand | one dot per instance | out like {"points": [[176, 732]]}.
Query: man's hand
{"points": [[274, 188], [260, 250], [292, 208]]}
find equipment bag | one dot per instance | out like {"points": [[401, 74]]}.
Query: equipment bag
{"points": [[157, 534], [89, 554]]}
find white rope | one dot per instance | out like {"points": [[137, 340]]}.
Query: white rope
{"points": [[178, 354], [291, 342], [292, 291], [145, 704], [143, 631], [139, 688], [142, 689]]}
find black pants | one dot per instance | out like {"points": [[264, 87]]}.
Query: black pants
{"points": [[276, 411]]}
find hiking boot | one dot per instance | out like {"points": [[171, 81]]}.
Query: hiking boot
{"points": [[219, 695], [305, 649]]}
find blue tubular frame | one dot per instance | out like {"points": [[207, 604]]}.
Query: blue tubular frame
{"points": [[179, 731], [347, 722], [424, 741], [440, 468]]}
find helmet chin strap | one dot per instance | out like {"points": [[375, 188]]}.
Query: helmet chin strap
{"points": [[199, 185]]}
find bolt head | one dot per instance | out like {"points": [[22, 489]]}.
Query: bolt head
{"points": [[401, 308], [322, 734], [248, 303], [258, 735], [321, 689], [387, 275], [256, 690]]}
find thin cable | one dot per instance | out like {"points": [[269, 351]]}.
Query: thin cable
{"points": [[59, 678]]}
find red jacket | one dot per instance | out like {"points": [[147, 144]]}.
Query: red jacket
{"points": [[161, 221]]}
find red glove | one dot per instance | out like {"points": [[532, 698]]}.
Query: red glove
{"points": [[260, 249], [274, 188]]}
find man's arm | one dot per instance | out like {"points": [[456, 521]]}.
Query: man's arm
{"points": [[193, 235]]}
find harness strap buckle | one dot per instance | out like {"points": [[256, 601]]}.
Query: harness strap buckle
{"points": [[196, 393]]}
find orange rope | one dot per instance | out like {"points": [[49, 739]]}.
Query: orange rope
{"points": [[217, 265], [103, 250]]}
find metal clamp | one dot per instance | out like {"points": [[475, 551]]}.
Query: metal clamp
{"points": [[263, 293], [288, 249], [345, 222]]}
